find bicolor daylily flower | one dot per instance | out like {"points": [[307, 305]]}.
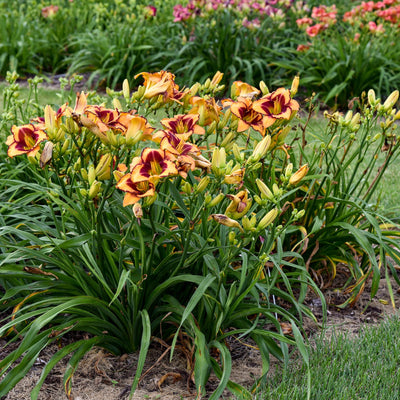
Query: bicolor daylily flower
{"points": [[134, 191], [181, 150], [183, 125], [276, 105], [248, 117], [153, 164], [25, 139], [108, 119]]}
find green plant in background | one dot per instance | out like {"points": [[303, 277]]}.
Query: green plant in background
{"points": [[193, 257]]}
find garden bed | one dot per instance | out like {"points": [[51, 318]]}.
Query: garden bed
{"points": [[103, 376]]}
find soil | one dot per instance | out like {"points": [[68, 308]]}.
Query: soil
{"points": [[102, 376]]}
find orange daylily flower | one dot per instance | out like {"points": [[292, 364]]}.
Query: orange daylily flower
{"points": [[208, 109], [248, 117], [243, 89], [25, 139], [159, 83], [152, 165], [139, 125], [134, 191], [80, 103], [276, 105]]}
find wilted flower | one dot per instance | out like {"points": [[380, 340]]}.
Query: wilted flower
{"points": [[25, 139], [158, 83], [239, 205]]}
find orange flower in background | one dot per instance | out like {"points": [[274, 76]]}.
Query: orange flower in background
{"points": [[248, 116], [183, 125], [25, 139], [208, 109], [152, 165], [276, 105], [134, 191], [243, 89]]}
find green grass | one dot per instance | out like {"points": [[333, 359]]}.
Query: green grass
{"points": [[344, 368], [45, 95], [386, 194]]}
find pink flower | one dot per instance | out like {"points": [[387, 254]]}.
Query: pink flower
{"points": [[303, 47], [314, 30], [302, 22], [49, 11]]}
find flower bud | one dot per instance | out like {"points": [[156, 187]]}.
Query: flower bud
{"points": [[228, 139], [117, 104], [264, 189], [295, 86], [371, 98], [103, 169], [91, 174], [263, 87], [216, 200], [267, 219], [298, 175], [125, 89], [288, 170], [218, 161], [391, 100], [186, 188], [260, 150], [84, 174], [203, 184], [224, 220], [94, 189]]}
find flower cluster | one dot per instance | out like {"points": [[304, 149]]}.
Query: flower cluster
{"points": [[322, 18], [252, 11], [136, 157]]}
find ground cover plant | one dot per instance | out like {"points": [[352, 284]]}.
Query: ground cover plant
{"points": [[168, 215], [343, 367], [338, 49]]}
